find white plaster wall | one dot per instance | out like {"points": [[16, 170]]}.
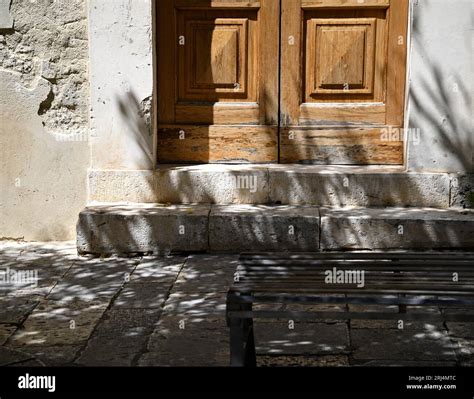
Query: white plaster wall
{"points": [[121, 77], [441, 86], [6, 21], [42, 179], [44, 150]]}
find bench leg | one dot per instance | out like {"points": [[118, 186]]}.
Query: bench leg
{"points": [[237, 343], [242, 341], [402, 309], [250, 354]]}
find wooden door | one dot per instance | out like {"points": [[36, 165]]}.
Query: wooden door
{"points": [[217, 67], [343, 81]]}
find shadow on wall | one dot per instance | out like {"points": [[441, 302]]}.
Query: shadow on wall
{"points": [[438, 100], [137, 117], [323, 192]]}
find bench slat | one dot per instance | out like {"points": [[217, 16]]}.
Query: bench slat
{"points": [[349, 315], [355, 299], [451, 256]]}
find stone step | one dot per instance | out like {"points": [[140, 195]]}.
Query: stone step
{"points": [[336, 186], [106, 229]]}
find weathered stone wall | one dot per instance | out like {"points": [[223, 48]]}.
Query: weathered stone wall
{"points": [[49, 40], [44, 115]]}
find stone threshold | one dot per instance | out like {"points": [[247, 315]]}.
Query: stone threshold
{"points": [[106, 229], [278, 184], [288, 168]]}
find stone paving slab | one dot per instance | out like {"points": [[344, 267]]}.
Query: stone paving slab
{"points": [[303, 361], [28, 278], [306, 338], [10, 356], [464, 348], [208, 273], [461, 330], [394, 324], [113, 352], [54, 356], [13, 310], [196, 304], [6, 331], [8, 261], [127, 322], [143, 296], [31, 363], [10, 250], [60, 259], [151, 270], [120, 337], [200, 342], [405, 363], [41, 290], [53, 323], [46, 269], [97, 279], [406, 345]]}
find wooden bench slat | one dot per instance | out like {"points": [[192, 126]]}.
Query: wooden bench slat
{"points": [[355, 299], [342, 290], [349, 315], [361, 255], [367, 263]]}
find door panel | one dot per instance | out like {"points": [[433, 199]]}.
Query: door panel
{"points": [[218, 81], [343, 81]]}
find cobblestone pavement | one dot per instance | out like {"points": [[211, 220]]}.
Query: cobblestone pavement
{"points": [[170, 312]]}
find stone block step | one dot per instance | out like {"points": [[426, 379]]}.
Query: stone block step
{"points": [[396, 228], [337, 186], [142, 228], [105, 229]]}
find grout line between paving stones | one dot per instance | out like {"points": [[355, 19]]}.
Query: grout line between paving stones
{"points": [[27, 359], [208, 230], [144, 349], [320, 228], [60, 279], [109, 306], [23, 320], [350, 357]]}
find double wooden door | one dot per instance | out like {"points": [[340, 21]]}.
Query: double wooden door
{"points": [[290, 81]]}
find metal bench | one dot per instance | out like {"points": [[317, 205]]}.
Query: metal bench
{"points": [[403, 279]]}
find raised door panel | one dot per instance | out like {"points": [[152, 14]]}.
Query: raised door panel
{"points": [[340, 57], [215, 65]]}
